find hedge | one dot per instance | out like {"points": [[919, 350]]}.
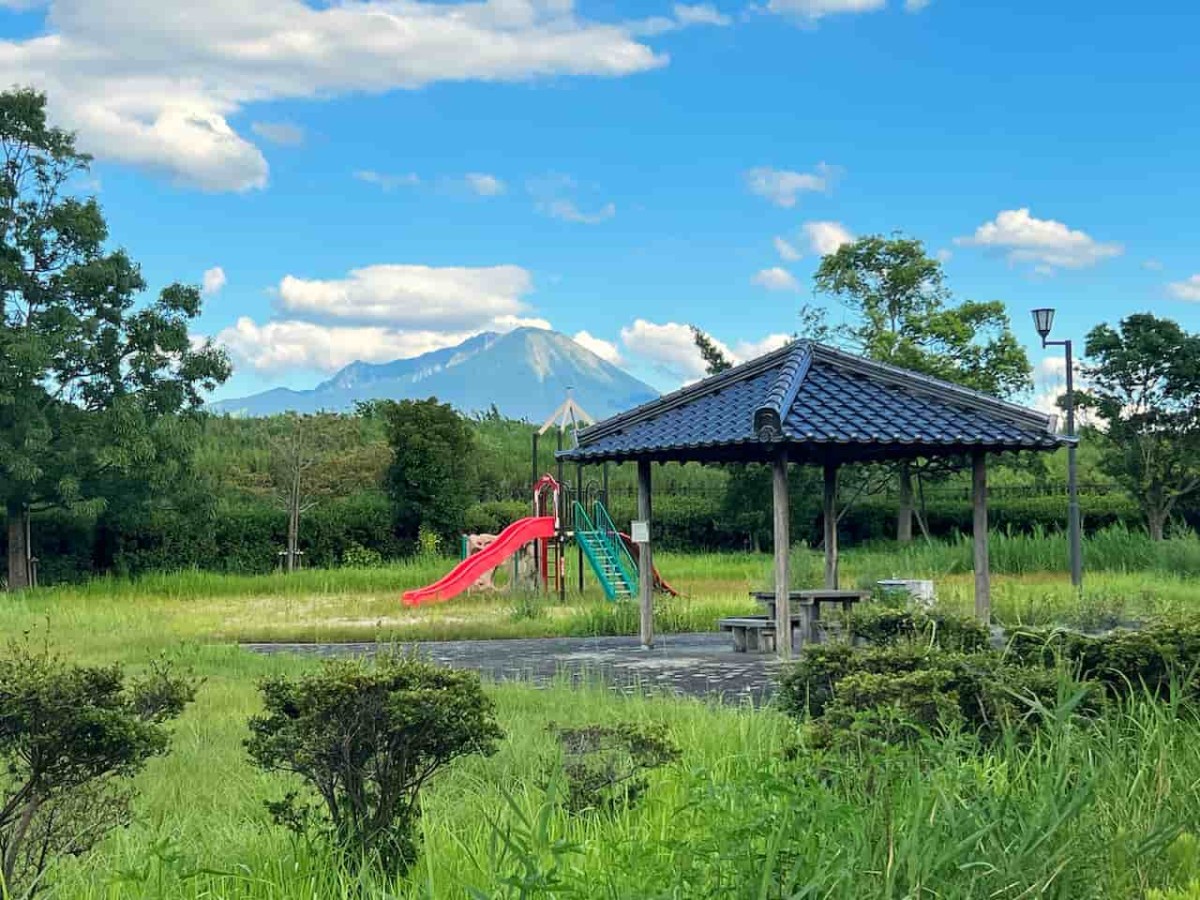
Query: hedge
{"points": [[246, 535]]}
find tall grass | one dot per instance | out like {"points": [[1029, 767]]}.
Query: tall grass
{"points": [[1106, 810], [1114, 549]]}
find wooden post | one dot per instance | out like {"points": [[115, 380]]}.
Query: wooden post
{"points": [[831, 536], [783, 549], [575, 524], [983, 575], [645, 556]]}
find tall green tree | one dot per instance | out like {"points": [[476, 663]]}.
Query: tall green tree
{"points": [[905, 315], [1144, 384], [85, 371], [431, 479], [715, 360]]}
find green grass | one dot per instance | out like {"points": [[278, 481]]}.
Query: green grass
{"points": [[1110, 810]]}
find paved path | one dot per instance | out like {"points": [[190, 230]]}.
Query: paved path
{"points": [[697, 665]]}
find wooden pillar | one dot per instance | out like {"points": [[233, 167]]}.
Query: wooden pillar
{"points": [[983, 575], [783, 549], [575, 524], [831, 536], [645, 556]]}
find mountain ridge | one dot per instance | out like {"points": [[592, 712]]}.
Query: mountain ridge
{"points": [[524, 373]]}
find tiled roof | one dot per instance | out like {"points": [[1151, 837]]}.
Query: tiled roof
{"points": [[821, 403]]}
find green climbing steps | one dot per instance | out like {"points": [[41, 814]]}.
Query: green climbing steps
{"points": [[602, 545]]}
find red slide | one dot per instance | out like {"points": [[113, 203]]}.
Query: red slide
{"points": [[467, 572]]}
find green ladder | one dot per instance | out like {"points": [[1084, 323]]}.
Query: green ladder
{"points": [[606, 552]]}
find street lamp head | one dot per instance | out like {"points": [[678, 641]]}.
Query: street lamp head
{"points": [[1043, 321]]}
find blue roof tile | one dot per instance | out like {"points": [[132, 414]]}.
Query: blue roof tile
{"points": [[820, 402]]}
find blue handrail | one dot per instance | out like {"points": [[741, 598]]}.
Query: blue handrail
{"points": [[616, 545], [593, 543]]}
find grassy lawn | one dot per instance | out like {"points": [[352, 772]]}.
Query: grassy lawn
{"points": [[1105, 811]]}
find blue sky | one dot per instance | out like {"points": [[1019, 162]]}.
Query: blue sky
{"points": [[375, 179]]}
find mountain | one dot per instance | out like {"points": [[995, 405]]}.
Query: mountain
{"points": [[525, 373]]}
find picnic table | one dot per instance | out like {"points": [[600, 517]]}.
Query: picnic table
{"points": [[757, 633], [806, 607]]}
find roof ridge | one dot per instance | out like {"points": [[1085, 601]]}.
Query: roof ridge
{"points": [[686, 394], [770, 416], [936, 387]]}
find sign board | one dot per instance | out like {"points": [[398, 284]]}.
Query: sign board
{"points": [[640, 532]]}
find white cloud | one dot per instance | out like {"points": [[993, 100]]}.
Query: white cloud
{"points": [[945, 255], [213, 281], [775, 279], [284, 133], [816, 9], [700, 14], [412, 296], [786, 249], [781, 186], [1050, 367], [670, 348], [606, 350], [747, 350], [1050, 383], [387, 182], [567, 211], [554, 196], [155, 84], [289, 344], [915, 6], [510, 323], [483, 184], [1188, 289], [826, 237], [683, 15], [1043, 242]]}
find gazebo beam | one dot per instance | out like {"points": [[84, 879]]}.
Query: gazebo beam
{"points": [[783, 549], [983, 575], [831, 535], [645, 556]]}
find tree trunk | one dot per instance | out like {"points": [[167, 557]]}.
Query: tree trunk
{"points": [[904, 518], [293, 535], [1156, 520], [18, 547]]}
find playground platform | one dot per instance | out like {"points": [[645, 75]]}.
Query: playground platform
{"points": [[693, 665]]}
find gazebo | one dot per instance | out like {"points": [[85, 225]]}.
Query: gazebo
{"points": [[811, 404]]}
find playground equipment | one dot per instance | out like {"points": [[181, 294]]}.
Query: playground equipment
{"points": [[558, 518]]}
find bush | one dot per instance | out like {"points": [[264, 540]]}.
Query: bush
{"points": [[606, 766], [356, 556], [880, 625], [365, 737], [493, 516], [1151, 659], [70, 738], [896, 693]]}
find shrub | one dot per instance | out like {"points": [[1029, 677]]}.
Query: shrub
{"points": [[606, 766], [895, 693], [366, 737], [493, 516], [70, 737], [356, 556], [1122, 660], [880, 625]]}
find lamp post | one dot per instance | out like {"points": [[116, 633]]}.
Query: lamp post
{"points": [[1043, 321]]}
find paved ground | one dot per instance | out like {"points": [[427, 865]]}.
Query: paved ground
{"points": [[698, 665]]}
